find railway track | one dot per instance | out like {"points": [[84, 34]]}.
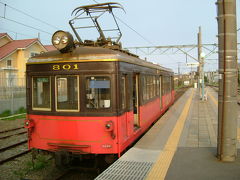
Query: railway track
{"points": [[13, 144], [180, 92], [12, 132]]}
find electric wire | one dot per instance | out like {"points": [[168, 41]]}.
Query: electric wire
{"points": [[134, 31], [131, 28], [26, 35], [37, 19], [25, 25]]}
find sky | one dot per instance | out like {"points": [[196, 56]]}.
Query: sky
{"points": [[159, 22]]}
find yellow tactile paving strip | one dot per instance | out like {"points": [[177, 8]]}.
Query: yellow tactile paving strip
{"points": [[213, 99], [160, 168]]}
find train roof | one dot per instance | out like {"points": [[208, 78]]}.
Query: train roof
{"points": [[92, 54]]}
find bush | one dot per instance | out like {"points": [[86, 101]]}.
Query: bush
{"points": [[20, 110], [5, 113]]}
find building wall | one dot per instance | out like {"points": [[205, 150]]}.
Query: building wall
{"points": [[4, 41], [19, 59], [24, 55]]}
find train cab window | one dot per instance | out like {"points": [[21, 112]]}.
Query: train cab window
{"points": [[98, 93], [41, 93], [67, 93]]}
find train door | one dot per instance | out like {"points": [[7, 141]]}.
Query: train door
{"points": [[135, 99], [160, 91]]}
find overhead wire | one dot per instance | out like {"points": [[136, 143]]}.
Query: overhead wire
{"points": [[26, 35], [131, 28], [37, 19], [25, 25], [136, 32]]}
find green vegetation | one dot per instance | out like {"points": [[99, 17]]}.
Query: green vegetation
{"points": [[5, 115], [37, 164], [20, 110], [178, 87]]}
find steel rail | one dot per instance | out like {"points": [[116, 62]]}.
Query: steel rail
{"points": [[8, 130], [13, 145], [13, 157], [7, 136]]}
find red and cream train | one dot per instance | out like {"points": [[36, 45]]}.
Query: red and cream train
{"points": [[92, 100]]}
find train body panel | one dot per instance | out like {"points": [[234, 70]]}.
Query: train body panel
{"points": [[83, 134], [89, 134], [93, 100]]}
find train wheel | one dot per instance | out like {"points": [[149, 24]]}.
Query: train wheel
{"points": [[62, 160]]}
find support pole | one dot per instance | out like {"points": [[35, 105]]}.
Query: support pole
{"points": [[227, 96], [179, 82], [201, 65]]}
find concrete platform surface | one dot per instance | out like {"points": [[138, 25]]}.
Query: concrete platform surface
{"points": [[201, 164]]}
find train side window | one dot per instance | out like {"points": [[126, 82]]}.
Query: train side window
{"points": [[41, 93], [67, 93], [170, 84], [152, 87], [148, 87], [123, 91], [98, 93], [157, 86], [144, 88], [164, 85]]}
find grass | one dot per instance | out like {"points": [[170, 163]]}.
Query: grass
{"points": [[4, 115], [37, 164]]}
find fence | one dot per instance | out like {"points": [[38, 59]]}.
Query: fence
{"points": [[12, 94]]}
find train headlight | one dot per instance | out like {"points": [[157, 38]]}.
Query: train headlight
{"points": [[56, 40], [63, 41]]}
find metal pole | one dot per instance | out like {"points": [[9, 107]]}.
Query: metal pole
{"points": [[200, 62], [178, 74], [5, 6], [39, 36], [203, 91], [227, 96], [191, 76]]}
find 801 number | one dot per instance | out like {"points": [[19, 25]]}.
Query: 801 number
{"points": [[57, 67]]}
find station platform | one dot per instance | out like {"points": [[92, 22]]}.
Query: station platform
{"points": [[182, 145]]}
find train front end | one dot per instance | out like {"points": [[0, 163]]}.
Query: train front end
{"points": [[71, 102]]}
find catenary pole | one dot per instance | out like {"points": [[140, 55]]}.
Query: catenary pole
{"points": [[227, 96], [200, 67]]}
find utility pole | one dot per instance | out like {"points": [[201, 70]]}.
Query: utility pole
{"points": [[201, 65], [227, 95], [178, 73], [191, 81], [39, 36]]}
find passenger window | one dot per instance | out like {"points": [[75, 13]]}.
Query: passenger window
{"points": [[67, 93], [123, 91], [98, 92], [41, 96]]}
